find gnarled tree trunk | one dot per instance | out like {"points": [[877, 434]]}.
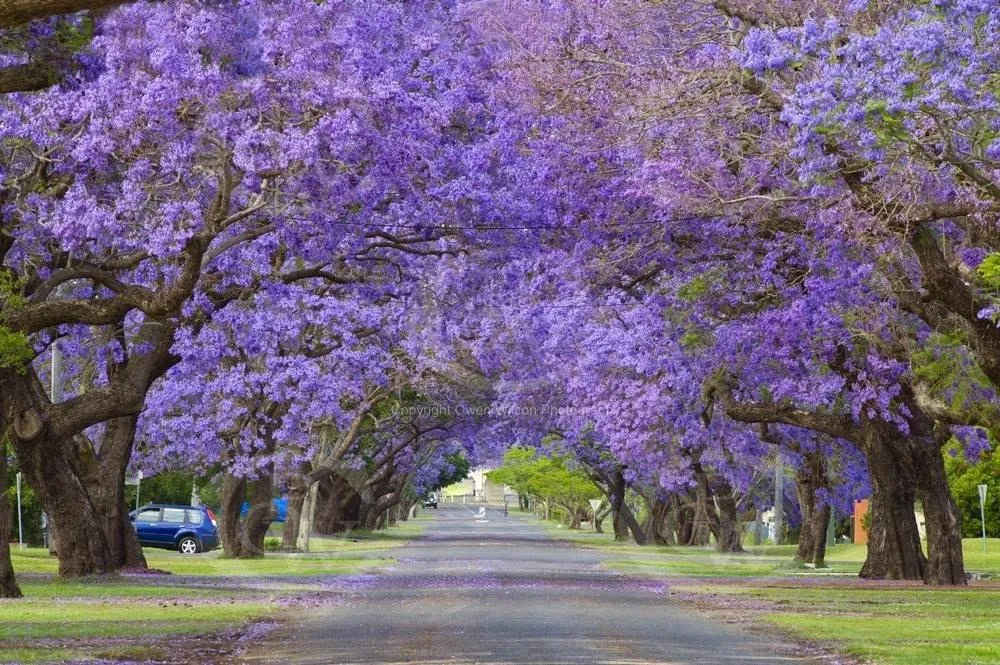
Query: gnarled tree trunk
{"points": [[659, 525], [106, 487], [893, 541], [721, 511], [53, 468], [811, 479], [942, 520], [259, 517], [296, 501], [233, 494], [8, 583]]}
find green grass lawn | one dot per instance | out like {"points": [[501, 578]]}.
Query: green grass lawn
{"points": [[888, 624], [145, 617], [880, 624]]}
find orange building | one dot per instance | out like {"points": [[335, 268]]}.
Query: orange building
{"points": [[860, 511]]}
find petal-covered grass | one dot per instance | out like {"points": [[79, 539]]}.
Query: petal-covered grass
{"points": [[206, 598], [888, 624]]}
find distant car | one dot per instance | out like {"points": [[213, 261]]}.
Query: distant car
{"points": [[187, 529], [431, 501]]}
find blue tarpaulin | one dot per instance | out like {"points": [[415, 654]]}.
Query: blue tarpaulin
{"points": [[281, 505]]}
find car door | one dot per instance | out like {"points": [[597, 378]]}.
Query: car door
{"points": [[146, 523], [171, 522]]}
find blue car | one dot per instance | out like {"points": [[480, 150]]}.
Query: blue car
{"points": [[187, 529]]}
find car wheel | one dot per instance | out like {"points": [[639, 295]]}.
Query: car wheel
{"points": [[188, 545]]}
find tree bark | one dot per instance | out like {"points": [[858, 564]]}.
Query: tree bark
{"points": [[725, 523], [233, 494], [820, 524], [8, 583], [296, 502], [307, 519], [811, 479], [894, 550], [337, 506], [106, 487], [53, 469], [259, 517], [660, 524], [942, 520], [721, 511]]}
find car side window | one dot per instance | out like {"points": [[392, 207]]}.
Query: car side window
{"points": [[194, 517], [173, 515], [149, 515]]}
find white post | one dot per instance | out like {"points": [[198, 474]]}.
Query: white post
{"points": [[779, 500], [138, 482], [982, 512], [20, 530]]}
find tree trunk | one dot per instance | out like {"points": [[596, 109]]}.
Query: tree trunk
{"points": [[296, 501], [616, 497], [726, 524], [83, 493], [233, 494], [806, 490], [660, 528], [942, 520], [820, 523], [602, 514], [811, 480], [337, 506], [8, 584], [893, 541], [106, 487], [53, 470], [306, 520], [259, 517], [721, 512]]}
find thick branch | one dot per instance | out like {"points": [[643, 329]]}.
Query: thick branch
{"points": [[16, 12]]}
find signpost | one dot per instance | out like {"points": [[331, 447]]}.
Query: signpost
{"points": [[137, 481], [594, 505], [20, 530], [982, 512]]}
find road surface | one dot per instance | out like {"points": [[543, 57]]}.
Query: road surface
{"points": [[501, 591]]}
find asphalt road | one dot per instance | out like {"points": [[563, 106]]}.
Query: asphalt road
{"points": [[502, 591]]}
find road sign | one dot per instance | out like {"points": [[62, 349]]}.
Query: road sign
{"points": [[594, 505]]}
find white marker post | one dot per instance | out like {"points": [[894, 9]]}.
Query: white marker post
{"points": [[594, 505], [982, 512], [20, 530], [135, 480]]}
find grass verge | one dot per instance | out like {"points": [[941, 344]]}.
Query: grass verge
{"points": [[153, 618]]}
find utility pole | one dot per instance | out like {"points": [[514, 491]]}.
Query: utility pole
{"points": [[56, 393], [779, 501]]}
